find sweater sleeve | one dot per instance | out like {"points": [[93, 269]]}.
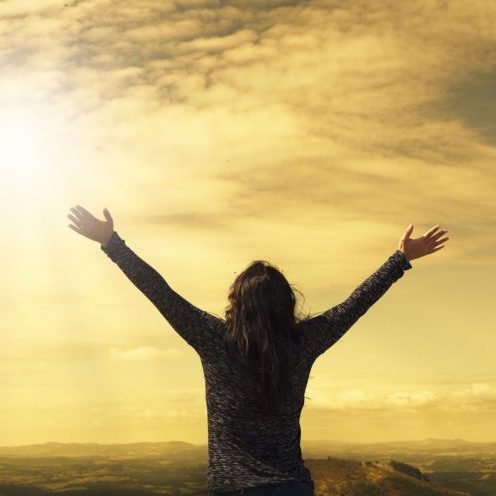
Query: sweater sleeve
{"points": [[191, 323], [322, 331]]}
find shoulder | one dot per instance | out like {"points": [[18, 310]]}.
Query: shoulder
{"points": [[213, 321]]}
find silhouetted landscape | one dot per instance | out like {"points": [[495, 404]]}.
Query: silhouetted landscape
{"points": [[430, 467]]}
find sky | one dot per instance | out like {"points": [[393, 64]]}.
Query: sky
{"points": [[309, 134]]}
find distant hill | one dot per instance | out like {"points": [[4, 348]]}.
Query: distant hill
{"points": [[311, 449], [179, 450], [389, 449], [427, 454], [341, 477]]}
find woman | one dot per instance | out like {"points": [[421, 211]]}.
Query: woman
{"points": [[256, 361]]}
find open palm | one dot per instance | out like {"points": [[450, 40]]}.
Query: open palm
{"points": [[428, 243], [91, 227]]}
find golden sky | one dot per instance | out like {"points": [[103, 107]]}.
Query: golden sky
{"points": [[309, 134]]}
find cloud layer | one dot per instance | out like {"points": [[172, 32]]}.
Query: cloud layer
{"points": [[307, 133]]}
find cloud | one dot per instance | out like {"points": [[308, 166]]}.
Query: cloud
{"points": [[352, 89], [26, 7], [477, 391], [478, 397]]}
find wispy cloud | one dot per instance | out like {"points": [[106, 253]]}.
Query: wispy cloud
{"points": [[477, 396]]}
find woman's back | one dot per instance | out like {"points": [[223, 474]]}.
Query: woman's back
{"points": [[245, 448]]}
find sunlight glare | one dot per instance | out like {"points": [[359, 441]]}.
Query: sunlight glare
{"points": [[26, 144]]}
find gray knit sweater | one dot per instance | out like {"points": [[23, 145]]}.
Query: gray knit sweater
{"points": [[245, 449]]}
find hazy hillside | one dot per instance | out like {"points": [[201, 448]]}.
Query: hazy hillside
{"points": [[453, 463], [340, 477], [407, 449], [179, 468], [176, 450]]}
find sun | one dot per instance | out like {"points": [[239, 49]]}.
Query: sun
{"points": [[27, 144]]}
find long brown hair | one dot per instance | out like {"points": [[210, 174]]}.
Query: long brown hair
{"points": [[261, 321]]}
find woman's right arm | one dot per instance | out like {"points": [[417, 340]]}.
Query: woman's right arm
{"points": [[322, 331]]}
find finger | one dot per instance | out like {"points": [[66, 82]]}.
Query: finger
{"points": [[408, 232], [76, 221], [76, 229], [438, 234], [441, 241], [431, 231], [77, 213], [107, 214], [85, 212], [437, 249]]}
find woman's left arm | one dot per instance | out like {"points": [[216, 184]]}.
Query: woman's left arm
{"points": [[189, 321]]}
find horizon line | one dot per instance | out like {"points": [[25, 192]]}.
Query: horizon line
{"points": [[205, 444]]}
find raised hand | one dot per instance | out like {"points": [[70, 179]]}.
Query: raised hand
{"points": [[429, 243], [89, 226]]}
